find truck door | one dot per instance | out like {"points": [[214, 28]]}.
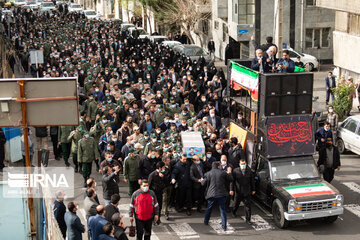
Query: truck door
{"points": [[263, 179]]}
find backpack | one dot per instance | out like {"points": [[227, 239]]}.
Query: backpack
{"points": [[144, 206]]}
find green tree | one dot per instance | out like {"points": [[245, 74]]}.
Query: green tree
{"points": [[343, 97]]}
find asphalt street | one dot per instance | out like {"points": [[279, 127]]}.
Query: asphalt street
{"points": [[180, 226]]}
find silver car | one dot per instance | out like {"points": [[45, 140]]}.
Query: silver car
{"points": [[348, 135], [193, 51]]}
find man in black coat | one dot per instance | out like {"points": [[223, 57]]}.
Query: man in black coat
{"points": [[158, 182], [110, 182], [180, 176], [197, 175], [59, 211], [235, 152], [243, 187], [119, 227], [330, 83], [147, 165], [329, 157], [214, 182], [259, 62], [112, 208]]}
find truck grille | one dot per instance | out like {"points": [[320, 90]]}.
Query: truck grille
{"points": [[316, 206]]}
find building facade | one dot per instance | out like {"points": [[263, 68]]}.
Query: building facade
{"points": [[346, 36], [305, 27]]}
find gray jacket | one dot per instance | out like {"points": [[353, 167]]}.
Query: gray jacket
{"points": [[90, 207], [74, 226], [214, 182]]}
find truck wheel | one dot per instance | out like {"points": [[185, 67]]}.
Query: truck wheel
{"points": [[340, 145], [278, 214], [331, 219]]}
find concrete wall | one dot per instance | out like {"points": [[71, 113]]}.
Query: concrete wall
{"points": [[346, 47], [351, 6]]}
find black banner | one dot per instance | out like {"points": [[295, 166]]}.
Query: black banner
{"points": [[289, 136]]}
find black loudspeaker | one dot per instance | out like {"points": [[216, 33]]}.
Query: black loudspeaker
{"points": [[286, 94], [304, 104], [287, 105], [272, 106], [288, 85], [305, 84]]}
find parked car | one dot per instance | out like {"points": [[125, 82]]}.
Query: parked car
{"points": [[157, 38], [47, 6], [74, 7], [170, 44], [20, 3], [348, 135], [142, 33], [32, 5], [193, 51], [91, 14], [6, 13], [126, 26], [307, 59]]}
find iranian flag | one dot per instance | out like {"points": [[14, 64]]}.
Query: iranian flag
{"points": [[308, 190], [243, 77]]}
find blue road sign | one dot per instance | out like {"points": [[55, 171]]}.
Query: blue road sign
{"points": [[242, 31]]}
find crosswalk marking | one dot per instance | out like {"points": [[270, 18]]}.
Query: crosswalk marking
{"points": [[353, 186], [184, 231], [124, 210], [216, 225], [354, 208], [153, 236], [259, 223]]}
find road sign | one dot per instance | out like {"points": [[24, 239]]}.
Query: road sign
{"points": [[37, 56], [243, 31], [284, 46]]}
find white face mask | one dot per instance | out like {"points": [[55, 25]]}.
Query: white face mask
{"points": [[242, 166], [331, 110], [145, 189], [223, 163]]}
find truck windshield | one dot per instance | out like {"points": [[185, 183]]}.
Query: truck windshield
{"points": [[292, 170]]}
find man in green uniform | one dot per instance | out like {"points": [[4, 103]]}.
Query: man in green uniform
{"points": [[63, 134], [87, 153], [74, 138], [130, 170], [159, 115], [151, 145], [145, 139]]}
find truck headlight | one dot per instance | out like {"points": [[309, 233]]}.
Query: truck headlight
{"points": [[291, 206], [339, 200]]}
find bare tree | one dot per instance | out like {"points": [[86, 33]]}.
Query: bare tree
{"points": [[186, 14]]}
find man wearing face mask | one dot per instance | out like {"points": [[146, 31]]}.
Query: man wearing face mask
{"points": [[147, 165], [110, 181], [197, 175], [235, 152], [243, 186], [73, 222], [87, 153], [333, 119], [329, 160], [322, 134], [111, 157], [158, 182], [144, 208]]}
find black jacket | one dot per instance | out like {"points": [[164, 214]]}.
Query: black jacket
{"points": [[181, 173], [235, 154], [243, 184], [157, 183], [195, 175], [59, 212], [41, 132], [110, 185], [146, 166], [322, 157], [110, 210], [119, 233], [214, 182]]}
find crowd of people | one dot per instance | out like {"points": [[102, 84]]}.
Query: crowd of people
{"points": [[136, 98]]}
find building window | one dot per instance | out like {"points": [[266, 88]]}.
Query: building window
{"points": [[317, 37], [216, 25], [246, 11], [205, 26], [225, 32], [310, 3]]}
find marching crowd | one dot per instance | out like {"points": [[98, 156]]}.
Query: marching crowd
{"points": [[135, 99]]}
